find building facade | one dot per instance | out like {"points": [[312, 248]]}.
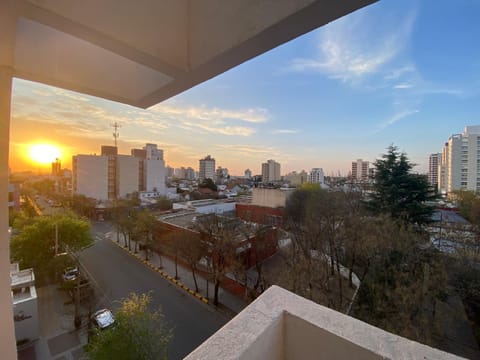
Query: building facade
{"points": [[433, 166], [271, 171], [460, 162], [206, 168], [316, 176], [360, 170], [111, 176]]}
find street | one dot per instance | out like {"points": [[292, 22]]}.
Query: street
{"points": [[117, 274]]}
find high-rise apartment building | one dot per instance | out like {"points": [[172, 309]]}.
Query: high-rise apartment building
{"points": [[460, 162], [433, 165], [90, 176], [110, 176], [271, 171], [360, 170], [316, 176], [206, 169]]}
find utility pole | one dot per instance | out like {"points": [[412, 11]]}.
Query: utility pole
{"points": [[56, 239]]}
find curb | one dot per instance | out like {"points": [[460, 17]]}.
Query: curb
{"points": [[164, 274]]}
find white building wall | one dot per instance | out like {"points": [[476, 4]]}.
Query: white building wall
{"points": [[316, 176], [154, 175], [90, 174], [25, 316], [127, 175]]}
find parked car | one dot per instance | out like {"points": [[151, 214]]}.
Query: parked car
{"points": [[70, 274], [103, 319]]}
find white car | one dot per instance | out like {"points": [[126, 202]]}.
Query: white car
{"points": [[103, 319], [70, 274]]}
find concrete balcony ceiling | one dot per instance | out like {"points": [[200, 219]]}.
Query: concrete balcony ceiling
{"points": [[144, 51]]}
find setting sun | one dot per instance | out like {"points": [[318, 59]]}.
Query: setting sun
{"points": [[44, 153]]}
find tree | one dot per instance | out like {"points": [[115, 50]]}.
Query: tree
{"points": [[219, 235], [144, 225], [34, 246], [192, 249], [398, 192], [138, 333]]}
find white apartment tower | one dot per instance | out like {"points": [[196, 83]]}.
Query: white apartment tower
{"points": [[360, 170], [206, 169], [460, 162], [433, 165], [90, 176], [110, 176], [271, 171], [316, 176], [154, 169]]}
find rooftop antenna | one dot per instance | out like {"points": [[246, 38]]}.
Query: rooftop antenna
{"points": [[115, 133]]}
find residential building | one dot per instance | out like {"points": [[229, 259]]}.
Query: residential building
{"points": [[91, 176], [360, 170], [190, 173], [154, 169], [111, 176], [25, 307], [248, 174], [271, 171], [206, 168], [296, 179], [433, 165], [127, 175], [170, 172], [460, 162], [316, 176], [180, 173], [108, 150], [221, 175]]}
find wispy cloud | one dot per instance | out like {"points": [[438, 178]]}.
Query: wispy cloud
{"points": [[285, 131], [346, 49], [254, 115], [396, 118]]}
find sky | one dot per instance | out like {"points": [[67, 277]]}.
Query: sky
{"points": [[405, 73]]}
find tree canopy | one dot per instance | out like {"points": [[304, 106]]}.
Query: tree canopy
{"points": [[34, 246], [399, 192], [138, 333]]}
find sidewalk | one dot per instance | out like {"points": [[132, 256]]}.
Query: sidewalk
{"points": [[232, 304], [58, 338]]}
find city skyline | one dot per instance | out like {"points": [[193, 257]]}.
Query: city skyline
{"points": [[377, 77]]}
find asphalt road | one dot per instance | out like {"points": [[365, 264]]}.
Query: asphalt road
{"points": [[117, 273]]}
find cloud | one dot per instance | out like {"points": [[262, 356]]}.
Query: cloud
{"points": [[396, 118], [403, 86], [285, 131], [203, 113], [357, 46]]}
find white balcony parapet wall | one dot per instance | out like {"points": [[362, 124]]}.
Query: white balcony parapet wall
{"points": [[282, 325]]}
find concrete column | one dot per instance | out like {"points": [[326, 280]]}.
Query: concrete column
{"points": [[7, 333], [8, 17]]}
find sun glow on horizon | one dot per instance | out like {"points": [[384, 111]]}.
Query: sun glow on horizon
{"points": [[44, 153]]}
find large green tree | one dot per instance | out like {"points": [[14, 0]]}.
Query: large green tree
{"points": [[138, 334], [34, 246], [399, 192]]}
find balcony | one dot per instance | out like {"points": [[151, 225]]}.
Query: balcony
{"points": [[282, 325]]}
